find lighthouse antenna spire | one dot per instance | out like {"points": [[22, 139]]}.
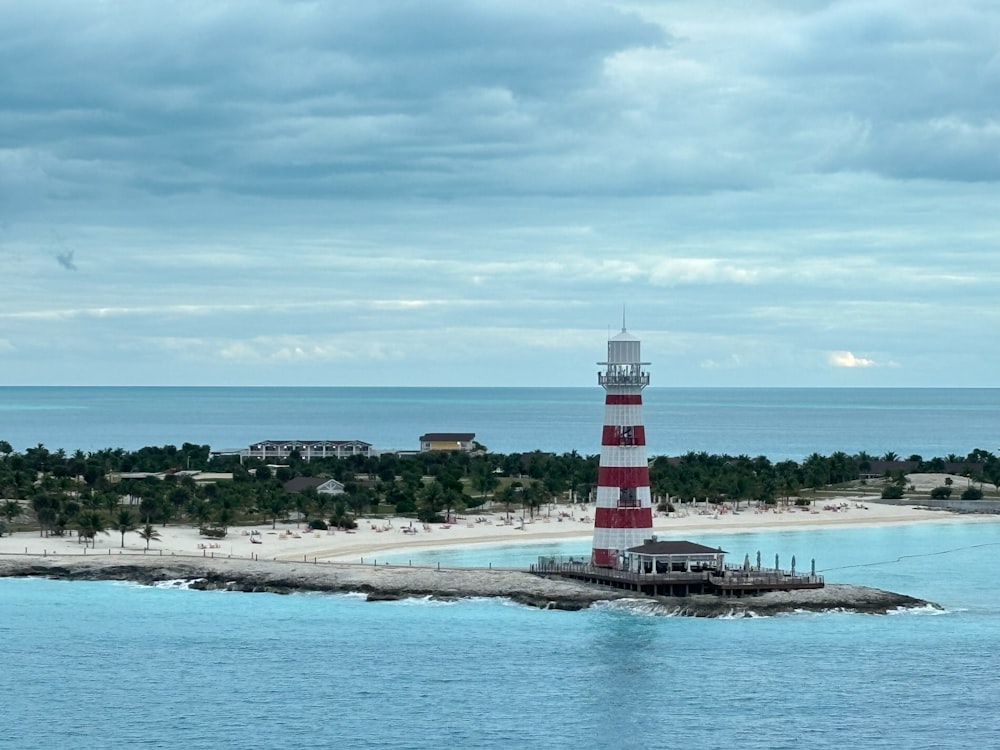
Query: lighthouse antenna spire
{"points": [[623, 316]]}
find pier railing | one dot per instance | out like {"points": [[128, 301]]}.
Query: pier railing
{"points": [[767, 579], [730, 577]]}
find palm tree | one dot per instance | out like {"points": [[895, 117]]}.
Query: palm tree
{"points": [[90, 525], [274, 504], [533, 496], [110, 500], [225, 515], [46, 509], [124, 523], [816, 470], [430, 501], [303, 502], [508, 494], [149, 533], [10, 510], [484, 480]]}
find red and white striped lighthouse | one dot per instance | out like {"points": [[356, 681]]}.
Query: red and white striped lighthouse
{"points": [[624, 516]]}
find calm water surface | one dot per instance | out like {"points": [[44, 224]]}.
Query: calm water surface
{"points": [[109, 664], [776, 422], [114, 665]]}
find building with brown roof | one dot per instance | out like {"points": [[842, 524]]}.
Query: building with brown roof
{"points": [[447, 441]]}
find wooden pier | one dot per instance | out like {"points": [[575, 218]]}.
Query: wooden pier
{"points": [[728, 581]]}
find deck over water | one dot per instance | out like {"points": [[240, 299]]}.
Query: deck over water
{"points": [[730, 581]]}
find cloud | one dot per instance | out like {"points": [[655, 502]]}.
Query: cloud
{"points": [[495, 179], [849, 359], [285, 99]]}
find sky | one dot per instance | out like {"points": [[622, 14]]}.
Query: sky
{"points": [[470, 192]]}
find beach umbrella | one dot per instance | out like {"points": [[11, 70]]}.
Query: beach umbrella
{"points": [[776, 566], [813, 566], [758, 559], [746, 562], [793, 564]]}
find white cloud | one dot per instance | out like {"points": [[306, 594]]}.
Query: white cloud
{"points": [[849, 359]]}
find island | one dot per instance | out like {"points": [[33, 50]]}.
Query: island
{"points": [[381, 582]]}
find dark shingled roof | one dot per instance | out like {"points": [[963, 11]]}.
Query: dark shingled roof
{"points": [[438, 437], [304, 483], [675, 548]]}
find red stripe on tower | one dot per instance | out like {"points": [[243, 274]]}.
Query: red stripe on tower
{"points": [[624, 515], [623, 399], [623, 476], [623, 518]]}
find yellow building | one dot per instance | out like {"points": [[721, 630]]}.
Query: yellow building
{"points": [[447, 441]]}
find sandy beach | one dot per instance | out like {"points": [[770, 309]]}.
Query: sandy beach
{"points": [[289, 557], [290, 541]]}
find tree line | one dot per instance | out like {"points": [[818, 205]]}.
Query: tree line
{"points": [[59, 492]]}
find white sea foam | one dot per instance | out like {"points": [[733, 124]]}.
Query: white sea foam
{"points": [[925, 610], [424, 601], [642, 607], [176, 583], [740, 614]]}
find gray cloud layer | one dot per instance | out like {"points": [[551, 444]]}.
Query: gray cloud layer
{"points": [[466, 192]]}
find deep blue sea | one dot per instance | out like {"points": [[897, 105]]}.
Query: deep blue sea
{"points": [[120, 666], [776, 422]]}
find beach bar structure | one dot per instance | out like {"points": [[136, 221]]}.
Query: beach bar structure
{"points": [[677, 568], [624, 514], [661, 557]]}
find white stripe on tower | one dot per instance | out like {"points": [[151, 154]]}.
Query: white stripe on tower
{"points": [[624, 516]]}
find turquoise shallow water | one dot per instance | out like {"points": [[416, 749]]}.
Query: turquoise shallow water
{"points": [[949, 562], [110, 664]]}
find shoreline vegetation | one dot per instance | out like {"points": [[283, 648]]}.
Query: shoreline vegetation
{"points": [[76, 517]]}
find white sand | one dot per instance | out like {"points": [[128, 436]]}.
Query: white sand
{"points": [[290, 541], [927, 482]]}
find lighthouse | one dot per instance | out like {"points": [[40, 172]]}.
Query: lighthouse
{"points": [[624, 516]]}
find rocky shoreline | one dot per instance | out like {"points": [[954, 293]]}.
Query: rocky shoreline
{"points": [[385, 583]]}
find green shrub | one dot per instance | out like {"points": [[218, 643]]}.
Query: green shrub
{"points": [[343, 522], [406, 506], [940, 493], [892, 492], [318, 524], [972, 493], [212, 532]]}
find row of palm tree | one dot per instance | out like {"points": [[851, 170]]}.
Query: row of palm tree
{"points": [[429, 485], [92, 522]]}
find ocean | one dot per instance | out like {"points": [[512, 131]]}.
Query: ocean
{"points": [[105, 664], [780, 423], [102, 664]]}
